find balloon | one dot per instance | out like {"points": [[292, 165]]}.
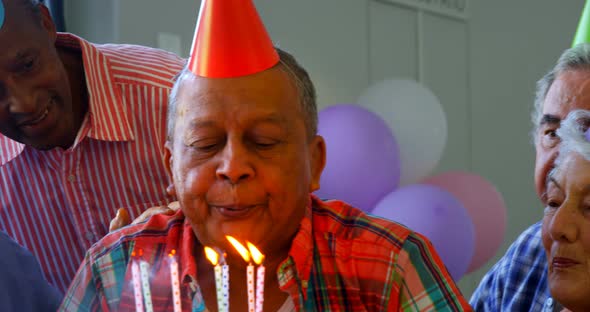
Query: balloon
{"points": [[485, 207], [362, 158], [436, 214], [416, 117]]}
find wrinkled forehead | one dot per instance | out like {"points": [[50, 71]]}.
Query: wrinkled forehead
{"points": [[569, 91], [269, 91], [20, 25]]}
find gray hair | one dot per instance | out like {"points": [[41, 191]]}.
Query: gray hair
{"points": [[288, 64], [573, 135], [574, 58]]}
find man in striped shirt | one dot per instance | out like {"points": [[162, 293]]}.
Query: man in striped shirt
{"points": [[82, 134], [245, 157]]}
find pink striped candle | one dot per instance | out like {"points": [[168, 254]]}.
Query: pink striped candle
{"points": [[136, 284], [258, 257], [250, 276], [175, 281], [259, 288]]}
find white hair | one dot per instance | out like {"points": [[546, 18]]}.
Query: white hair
{"points": [[576, 58], [573, 135]]}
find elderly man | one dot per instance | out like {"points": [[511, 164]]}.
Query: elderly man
{"points": [[518, 282], [244, 156], [82, 134]]}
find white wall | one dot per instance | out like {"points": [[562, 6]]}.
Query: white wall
{"points": [[482, 69]]}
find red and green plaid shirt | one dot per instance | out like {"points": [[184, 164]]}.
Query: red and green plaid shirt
{"points": [[341, 260]]}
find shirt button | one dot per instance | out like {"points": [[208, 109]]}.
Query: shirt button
{"points": [[549, 303], [89, 236], [71, 178]]}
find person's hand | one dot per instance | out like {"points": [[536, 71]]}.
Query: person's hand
{"points": [[123, 219]]}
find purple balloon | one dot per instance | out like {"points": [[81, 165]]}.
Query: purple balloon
{"points": [[436, 214], [362, 156]]}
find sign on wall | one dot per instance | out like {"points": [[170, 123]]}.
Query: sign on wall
{"points": [[452, 8]]}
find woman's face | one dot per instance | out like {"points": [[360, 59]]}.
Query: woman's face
{"points": [[566, 232]]}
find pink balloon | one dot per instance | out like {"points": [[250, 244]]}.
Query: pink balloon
{"points": [[485, 206]]}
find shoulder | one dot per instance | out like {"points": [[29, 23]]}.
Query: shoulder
{"points": [[134, 63], [21, 277], [518, 280], [382, 259], [17, 260], [344, 221], [526, 252], [337, 220], [159, 229]]}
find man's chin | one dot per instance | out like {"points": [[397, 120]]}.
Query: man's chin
{"points": [[45, 147]]}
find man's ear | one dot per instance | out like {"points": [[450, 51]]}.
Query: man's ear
{"points": [[317, 150], [47, 22], [168, 165]]}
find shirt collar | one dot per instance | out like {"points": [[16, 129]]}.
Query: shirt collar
{"points": [[300, 260], [106, 119], [187, 258]]}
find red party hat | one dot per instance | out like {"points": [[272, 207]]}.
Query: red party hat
{"points": [[230, 41]]}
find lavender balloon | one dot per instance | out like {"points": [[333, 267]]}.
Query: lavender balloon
{"points": [[436, 214], [362, 156]]}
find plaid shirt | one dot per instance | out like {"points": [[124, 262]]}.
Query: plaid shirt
{"points": [[518, 282], [340, 260]]}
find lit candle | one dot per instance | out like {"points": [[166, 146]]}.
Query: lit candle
{"points": [[145, 284], [175, 281], [258, 257], [243, 251], [136, 283], [213, 257]]}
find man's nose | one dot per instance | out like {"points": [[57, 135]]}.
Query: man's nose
{"points": [[18, 99], [235, 164]]}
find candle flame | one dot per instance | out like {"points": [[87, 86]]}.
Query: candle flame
{"points": [[257, 256], [211, 255], [239, 247]]}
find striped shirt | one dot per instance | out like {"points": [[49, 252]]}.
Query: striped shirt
{"points": [[57, 203], [340, 260]]}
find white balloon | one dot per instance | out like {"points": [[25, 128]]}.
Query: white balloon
{"points": [[417, 120]]}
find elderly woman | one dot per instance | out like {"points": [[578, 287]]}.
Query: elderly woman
{"points": [[566, 221]]}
